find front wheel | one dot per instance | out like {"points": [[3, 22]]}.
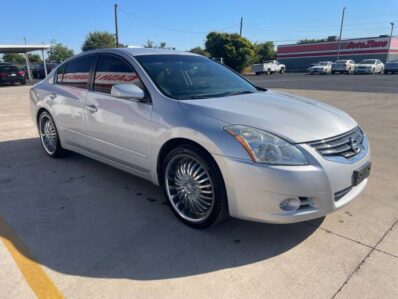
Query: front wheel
{"points": [[268, 71], [194, 187], [282, 71], [49, 136]]}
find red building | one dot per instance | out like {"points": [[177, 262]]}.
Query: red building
{"points": [[301, 56]]}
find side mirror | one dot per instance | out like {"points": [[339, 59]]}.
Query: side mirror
{"points": [[127, 91]]}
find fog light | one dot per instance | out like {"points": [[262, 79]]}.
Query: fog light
{"points": [[290, 204]]}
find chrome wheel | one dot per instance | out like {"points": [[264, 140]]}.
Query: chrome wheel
{"points": [[189, 188], [48, 133]]}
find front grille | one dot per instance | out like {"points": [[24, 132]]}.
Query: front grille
{"points": [[346, 145]]}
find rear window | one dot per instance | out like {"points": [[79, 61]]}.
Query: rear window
{"points": [[8, 68]]}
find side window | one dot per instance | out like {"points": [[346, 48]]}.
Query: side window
{"points": [[113, 70], [77, 72], [60, 73]]}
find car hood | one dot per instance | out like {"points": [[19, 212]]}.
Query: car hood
{"points": [[365, 64], [293, 118]]}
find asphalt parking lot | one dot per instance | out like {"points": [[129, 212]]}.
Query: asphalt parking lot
{"points": [[337, 82], [86, 230]]}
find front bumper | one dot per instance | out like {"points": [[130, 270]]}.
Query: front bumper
{"points": [[363, 71], [340, 69], [318, 71], [255, 191]]}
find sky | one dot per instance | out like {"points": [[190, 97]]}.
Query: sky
{"points": [[184, 24]]}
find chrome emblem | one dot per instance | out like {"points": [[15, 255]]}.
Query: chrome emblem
{"points": [[355, 145]]}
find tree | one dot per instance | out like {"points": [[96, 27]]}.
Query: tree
{"points": [[264, 51], [99, 40], [34, 58], [162, 45], [58, 52], [200, 51], [14, 58], [311, 40], [236, 51]]}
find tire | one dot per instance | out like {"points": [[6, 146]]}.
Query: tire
{"points": [[23, 82], [269, 72], [50, 142], [373, 71], [193, 185], [382, 71], [258, 73], [282, 71], [333, 72]]}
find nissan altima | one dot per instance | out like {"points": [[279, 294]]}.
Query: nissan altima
{"points": [[217, 145]]}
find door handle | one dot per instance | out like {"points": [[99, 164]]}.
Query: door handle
{"points": [[91, 108]]}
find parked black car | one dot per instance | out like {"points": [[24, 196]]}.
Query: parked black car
{"points": [[391, 67], [25, 69], [39, 73], [11, 74]]}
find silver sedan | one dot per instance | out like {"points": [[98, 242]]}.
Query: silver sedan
{"points": [[216, 144]]}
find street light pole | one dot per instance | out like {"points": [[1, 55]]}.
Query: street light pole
{"points": [[392, 28], [116, 27], [341, 32]]}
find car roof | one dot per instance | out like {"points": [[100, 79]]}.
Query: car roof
{"points": [[141, 51]]}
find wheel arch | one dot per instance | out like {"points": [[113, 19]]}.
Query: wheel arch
{"points": [[173, 143]]}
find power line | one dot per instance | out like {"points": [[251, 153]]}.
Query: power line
{"points": [[169, 28]]}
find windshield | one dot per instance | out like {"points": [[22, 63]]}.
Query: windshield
{"points": [[341, 61], [323, 63], [193, 77], [368, 61]]}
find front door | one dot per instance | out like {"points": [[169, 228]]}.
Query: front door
{"points": [[117, 129]]}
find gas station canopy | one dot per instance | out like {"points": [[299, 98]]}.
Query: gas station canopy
{"points": [[26, 49], [22, 48]]}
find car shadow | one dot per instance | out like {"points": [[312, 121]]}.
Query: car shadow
{"points": [[81, 217]]}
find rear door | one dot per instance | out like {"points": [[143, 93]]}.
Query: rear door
{"points": [[118, 129], [71, 87]]}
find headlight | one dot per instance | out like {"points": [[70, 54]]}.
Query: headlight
{"points": [[264, 147]]}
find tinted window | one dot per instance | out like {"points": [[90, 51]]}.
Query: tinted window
{"points": [[193, 77], [113, 70], [77, 72], [8, 68], [60, 72]]}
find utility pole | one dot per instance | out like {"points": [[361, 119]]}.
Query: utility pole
{"points": [[241, 25], [341, 32], [391, 33], [116, 27]]}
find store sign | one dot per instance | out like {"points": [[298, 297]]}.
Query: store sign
{"points": [[366, 44]]}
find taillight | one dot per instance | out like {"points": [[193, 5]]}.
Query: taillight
{"points": [[21, 73]]}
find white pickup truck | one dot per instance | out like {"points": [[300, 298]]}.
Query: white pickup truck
{"points": [[269, 67]]}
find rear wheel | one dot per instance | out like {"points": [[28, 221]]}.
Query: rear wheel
{"points": [[282, 71], [268, 71], [194, 187], [258, 73], [49, 136]]}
